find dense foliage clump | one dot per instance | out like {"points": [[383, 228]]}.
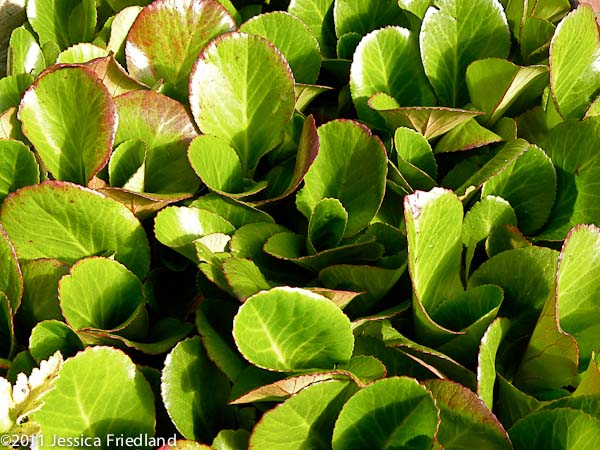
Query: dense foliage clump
{"points": [[347, 224]]}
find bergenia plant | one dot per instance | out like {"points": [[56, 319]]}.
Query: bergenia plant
{"points": [[305, 224]]}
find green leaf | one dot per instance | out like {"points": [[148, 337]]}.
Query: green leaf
{"points": [[167, 129], [466, 422], [81, 53], [373, 282], [24, 53], [127, 165], [482, 220], [11, 280], [464, 320], [431, 122], [486, 360], [527, 184], [466, 136], [417, 7], [36, 215], [178, 227], [10, 127], [119, 29], [306, 420], [248, 242], [195, 392], [391, 413], [219, 167], [364, 16], [244, 277], [527, 277], [434, 229], [219, 349], [571, 146], [7, 329], [101, 293], [577, 285], [308, 149], [64, 22], [18, 167], [507, 81], [318, 17], [351, 167], [232, 102], [165, 40], [12, 88], [574, 73], [103, 394], [114, 77], [291, 247], [231, 440], [50, 336], [413, 148], [40, 294], [235, 212], [308, 332], [454, 36], [551, 358], [306, 93], [557, 429], [347, 44], [161, 337], [590, 379], [71, 119], [292, 38], [501, 159], [282, 389], [387, 60], [327, 225], [512, 403]]}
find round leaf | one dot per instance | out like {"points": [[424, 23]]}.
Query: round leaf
{"points": [[217, 164], [194, 391], [292, 38], [351, 166], [102, 394], [390, 413], [288, 329], [68, 222], [100, 293], [70, 118], [387, 60], [166, 38], [454, 36], [231, 100]]}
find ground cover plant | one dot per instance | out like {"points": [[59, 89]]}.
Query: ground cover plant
{"points": [[347, 224]]}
